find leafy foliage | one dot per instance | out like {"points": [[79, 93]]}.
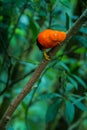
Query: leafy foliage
{"points": [[69, 112], [63, 84]]}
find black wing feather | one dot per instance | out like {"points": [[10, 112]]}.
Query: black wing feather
{"points": [[39, 45]]}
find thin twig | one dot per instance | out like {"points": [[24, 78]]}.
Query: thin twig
{"points": [[16, 81], [22, 77], [15, 26], [77, 123], [15, 103]]}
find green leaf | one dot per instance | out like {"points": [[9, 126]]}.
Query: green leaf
{"points": [[64, 66], [1, 18], [69, 112], [35, 28], [46, 96], [74, 83], [52, 111], [66, 3], [67, 21], [20, 32], [82, 40], [80, 50], [69, 87], [79, 104], [75, 100], [83, 30], [80, 81]]}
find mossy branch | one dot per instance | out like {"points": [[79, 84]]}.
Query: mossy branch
{"points": [[27, 88]]}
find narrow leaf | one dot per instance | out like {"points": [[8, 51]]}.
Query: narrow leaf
{"points": [[52, 111], [66, 3], [69, 112], [79, 104], [67, 21], [80, 81], [74, 83], [83, 30], [47, 96], [64, 66]]}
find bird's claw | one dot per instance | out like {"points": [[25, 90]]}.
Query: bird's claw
{"points": [[47, 57]]}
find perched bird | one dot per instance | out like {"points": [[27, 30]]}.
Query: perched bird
{"points": [[49, 39]]}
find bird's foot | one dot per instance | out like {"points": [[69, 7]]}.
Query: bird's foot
{"points": [[47, 57]]}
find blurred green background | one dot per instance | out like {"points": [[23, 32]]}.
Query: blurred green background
{"points": [[58, 99]]}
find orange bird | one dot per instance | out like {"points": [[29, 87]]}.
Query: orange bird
{"points": [[49, 39]]}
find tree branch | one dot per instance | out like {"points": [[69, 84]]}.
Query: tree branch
{"points": [[12, 107]]}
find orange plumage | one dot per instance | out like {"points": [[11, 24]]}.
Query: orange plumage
{"points": [[49, 39]]}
